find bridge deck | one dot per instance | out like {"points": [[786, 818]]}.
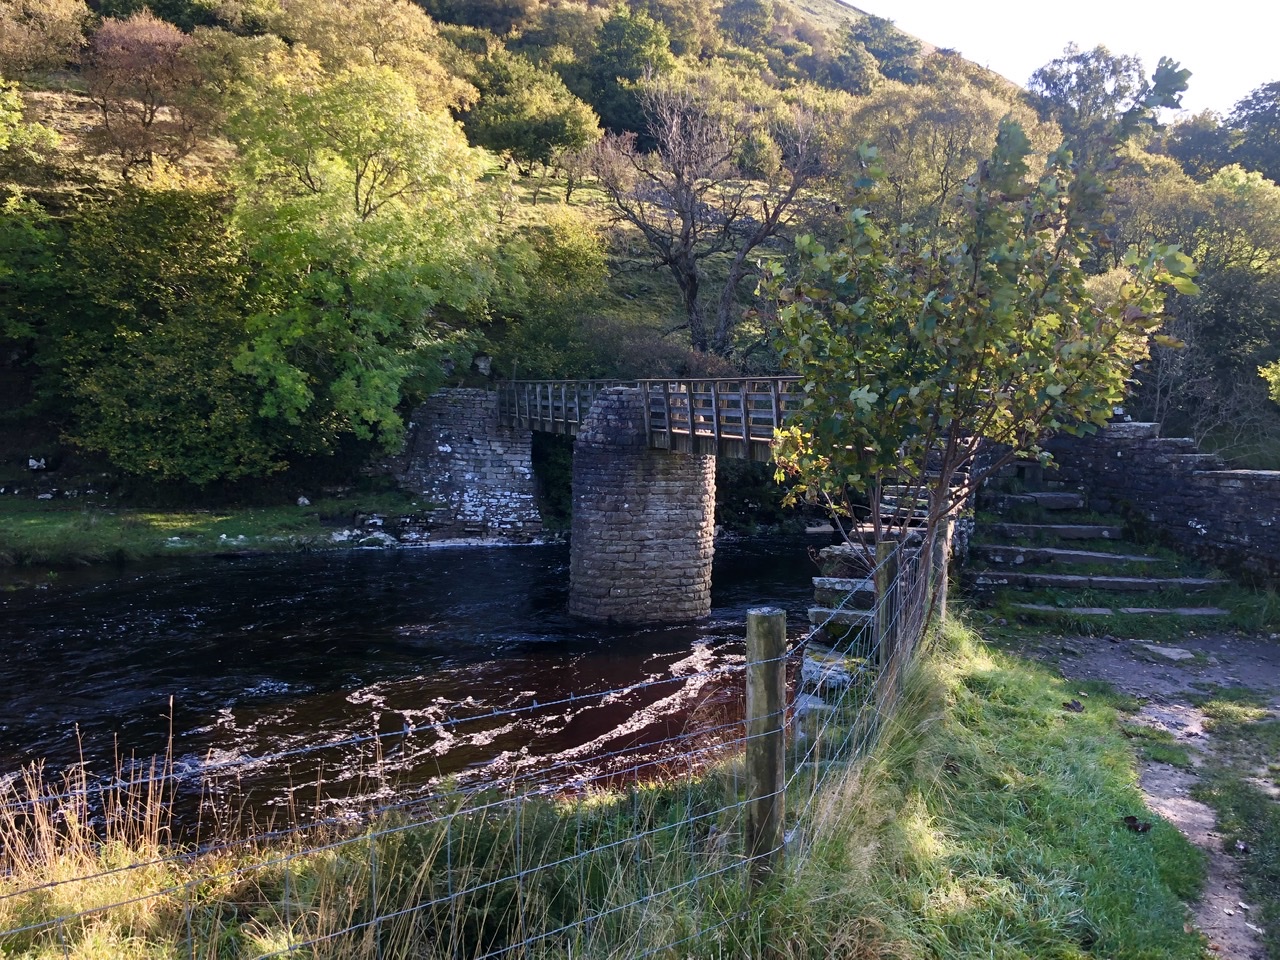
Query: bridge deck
{"points": [[728, 418]]}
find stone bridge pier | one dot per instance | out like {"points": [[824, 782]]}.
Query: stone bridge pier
{"points": [[643, 532]]}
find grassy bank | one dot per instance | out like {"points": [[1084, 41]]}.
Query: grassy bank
{"points": [[75, 532], [989, 823]]}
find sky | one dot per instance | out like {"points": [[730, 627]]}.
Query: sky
{"points": [[1230, 46]]}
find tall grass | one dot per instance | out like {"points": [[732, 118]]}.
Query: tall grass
{"points": [[987, 823]]}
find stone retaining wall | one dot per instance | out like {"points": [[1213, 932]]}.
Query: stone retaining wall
{"points": [[643, 532], [1229, 516], [477, 473]]}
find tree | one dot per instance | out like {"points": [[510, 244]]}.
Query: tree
{"points": [[561, 268], [690, 24], [724, 177], [1230, 225], [914, 351], [930, 138], [629, 48], [143, 79], [559, 33], [40, 34], [1200, 143], [526, 113], [32, 289], [499, 16], [1256, 121], [383, 33], [748, 22], [853, 68], [1098, 97], [158, 280], [19, 138], [363, 214], [242, 16], [897, 53]]}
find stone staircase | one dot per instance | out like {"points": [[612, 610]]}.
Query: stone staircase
{"points": [[1038, 552]]}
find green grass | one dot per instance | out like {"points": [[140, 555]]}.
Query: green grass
{"points": [[63, 533], [1251, 609], [1158, 746], [996, 820], [988, 824]]}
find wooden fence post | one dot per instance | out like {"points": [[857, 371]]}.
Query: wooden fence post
{"points": [[766, 706], [888, 602]]}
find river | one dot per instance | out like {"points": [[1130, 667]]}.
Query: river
{"points": [[319, 683]]}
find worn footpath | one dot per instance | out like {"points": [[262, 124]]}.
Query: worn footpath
{"points": [[1170, 679]]}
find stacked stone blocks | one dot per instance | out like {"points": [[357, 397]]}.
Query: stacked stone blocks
{"points": [[643, 521], [1231, 517], [477, 473]]}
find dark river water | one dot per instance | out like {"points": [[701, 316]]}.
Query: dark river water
{"points": [[353, 679]]}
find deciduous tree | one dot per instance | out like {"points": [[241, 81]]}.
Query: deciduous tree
{"points": [[364, 214], [526, 113], [630, 46], [748, 22], [148, 330], [1098, 97], [40, 34], [143, 78], [897, 53], [724, 177], [383, 33], [1256, 121], [1202, 144], [930, 138], [914, 350]]}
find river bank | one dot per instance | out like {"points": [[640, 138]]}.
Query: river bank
{"points": [[893, 857], [57, 533]]}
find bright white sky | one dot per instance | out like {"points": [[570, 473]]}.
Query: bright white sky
{"points": [[1230, 46]]}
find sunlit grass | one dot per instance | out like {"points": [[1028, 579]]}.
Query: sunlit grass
{"points": [[73, 532], [986, 824], [996, 817]]}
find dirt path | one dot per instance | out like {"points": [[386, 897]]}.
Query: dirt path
{"points": [[1166, 676]]}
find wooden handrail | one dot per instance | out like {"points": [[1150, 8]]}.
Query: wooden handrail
{"points": [[730, 416]]}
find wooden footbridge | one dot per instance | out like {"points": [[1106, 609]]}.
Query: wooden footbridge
{"points": [[727, 418]]}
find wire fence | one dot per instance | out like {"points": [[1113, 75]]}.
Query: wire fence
{"points": [[644, 851]]}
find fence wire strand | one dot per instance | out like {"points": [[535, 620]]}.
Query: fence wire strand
{"points": [[545, 861]]}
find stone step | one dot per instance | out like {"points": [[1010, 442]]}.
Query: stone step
{"points": [[1044, 500], [903, 490], [896, 511], [1131, 430], [1198, 461], [1062, 531], [904, 500], [843, 617], [1109, 611], [844, 592], [1003, 553], [1067, 581], [845, 584]]}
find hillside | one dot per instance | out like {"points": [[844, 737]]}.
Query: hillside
{"points": [[247, 238], [834, 15]]}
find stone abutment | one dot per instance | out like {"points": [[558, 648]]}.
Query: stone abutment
{"points": [[477, 473], [643, 533]]}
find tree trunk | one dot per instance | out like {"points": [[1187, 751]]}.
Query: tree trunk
{"points": [[725, 321], [685, 271]]}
